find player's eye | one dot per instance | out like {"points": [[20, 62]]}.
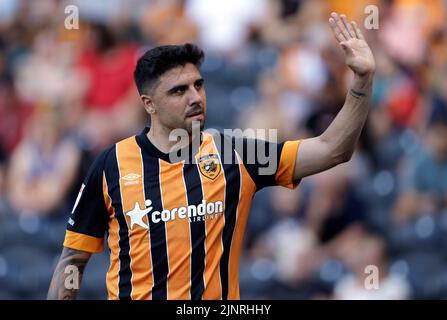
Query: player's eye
{"points": [[179, 90], [198, 84]]}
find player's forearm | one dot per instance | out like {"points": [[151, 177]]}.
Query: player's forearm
{"points": [[68, 275], [343, 133]]}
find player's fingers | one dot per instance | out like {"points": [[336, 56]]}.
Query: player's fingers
{"points": [[340, 25], [336, 30], [357, 30], [348, 26]]}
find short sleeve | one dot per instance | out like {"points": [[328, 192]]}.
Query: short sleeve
{"points": [[287, 161], [268, 163], [89, 218]]}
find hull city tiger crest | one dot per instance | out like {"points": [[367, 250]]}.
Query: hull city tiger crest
{"points": [[209, 166]]}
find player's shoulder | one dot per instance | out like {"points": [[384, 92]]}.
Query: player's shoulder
{"points": [[109, 153], [102, 159], [125, 141]]}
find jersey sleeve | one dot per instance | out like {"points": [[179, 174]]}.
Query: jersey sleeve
{"points": [[268, 163], [287, 161], [88, 221]]}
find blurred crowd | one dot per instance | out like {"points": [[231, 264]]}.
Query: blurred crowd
{"points": [[65, 94]]}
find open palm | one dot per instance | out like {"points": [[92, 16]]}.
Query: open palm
{"points": [[358, 55]]}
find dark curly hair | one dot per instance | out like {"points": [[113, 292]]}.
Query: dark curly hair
{"points": [[159, 60]]}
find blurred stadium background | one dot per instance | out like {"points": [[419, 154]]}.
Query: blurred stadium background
{"points": [[67, 94]]}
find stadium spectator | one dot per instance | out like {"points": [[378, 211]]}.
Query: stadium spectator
{"points": [[368, 259], [106, 66], [2, 183], [425, 189], [167, 22], [43, 166]]}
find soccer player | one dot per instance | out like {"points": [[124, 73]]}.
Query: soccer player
{"points": [[175, 225]]}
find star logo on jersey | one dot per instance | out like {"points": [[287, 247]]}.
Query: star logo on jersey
{"points": [[209, 166], [136, 215]]}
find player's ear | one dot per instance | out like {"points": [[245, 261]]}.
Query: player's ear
{"points": [[148, 104]]}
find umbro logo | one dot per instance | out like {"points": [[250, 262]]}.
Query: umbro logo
{"points": [[131, 178]]}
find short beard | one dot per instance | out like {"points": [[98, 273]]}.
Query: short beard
{"points": [[195, 126]]}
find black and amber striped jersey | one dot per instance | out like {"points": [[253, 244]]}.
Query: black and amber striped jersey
{"points": [[174, 228]]}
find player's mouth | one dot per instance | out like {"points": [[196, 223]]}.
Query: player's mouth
{"points": [[197, 117], [195, 114]]}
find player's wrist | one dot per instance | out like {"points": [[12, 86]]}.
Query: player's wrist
{"points": [[362, 83], [364, 77]]}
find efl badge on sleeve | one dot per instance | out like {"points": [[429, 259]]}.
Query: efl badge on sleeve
{"points": [[209, 166]]}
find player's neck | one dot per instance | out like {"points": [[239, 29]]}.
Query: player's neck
{"points": [[160, 139]]}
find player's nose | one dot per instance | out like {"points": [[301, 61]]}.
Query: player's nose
{"points": [[195, 97]]}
